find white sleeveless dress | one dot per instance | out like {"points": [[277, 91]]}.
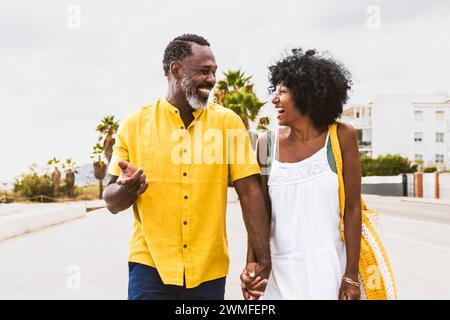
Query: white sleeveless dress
{"points": [[308, 254]]}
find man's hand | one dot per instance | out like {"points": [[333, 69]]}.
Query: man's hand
{"points": [[132, 179], [252, 284]]}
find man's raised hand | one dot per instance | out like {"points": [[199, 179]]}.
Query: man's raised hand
{"points": [[132, 179]]}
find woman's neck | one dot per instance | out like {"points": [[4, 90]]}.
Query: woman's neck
{"points": [[304, 130]]}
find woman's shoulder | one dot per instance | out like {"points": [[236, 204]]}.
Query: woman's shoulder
{"points": [[347, 134]]}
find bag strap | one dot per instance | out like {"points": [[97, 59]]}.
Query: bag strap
{"points": [[270, 151], [332, 129], [335, 146], [265, 152]]}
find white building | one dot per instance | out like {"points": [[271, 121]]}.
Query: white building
{"points": [[416, 127], [360, 117]]}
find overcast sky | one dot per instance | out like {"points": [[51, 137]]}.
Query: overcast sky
{"points": [[57, 80]]}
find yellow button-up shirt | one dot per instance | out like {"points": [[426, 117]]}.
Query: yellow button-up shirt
{"points": [[179, 222]]}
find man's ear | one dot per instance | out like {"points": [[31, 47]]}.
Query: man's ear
{"points": [[176, 70]]}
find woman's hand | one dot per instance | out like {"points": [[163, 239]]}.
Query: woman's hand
{"points": [[252, 288], [349, 291]]}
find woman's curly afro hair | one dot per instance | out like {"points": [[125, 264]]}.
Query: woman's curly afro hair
{"points": [[319, 84]]}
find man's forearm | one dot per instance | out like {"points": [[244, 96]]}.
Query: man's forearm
{"points": [[250, 253], [256, 221], [117, 198]]}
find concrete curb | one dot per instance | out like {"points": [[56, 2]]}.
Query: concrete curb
{"points": [[19, 224], [439, 202]]}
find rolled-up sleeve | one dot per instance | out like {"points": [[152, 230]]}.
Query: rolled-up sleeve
{"points": [[241, 156], [120, 149]]}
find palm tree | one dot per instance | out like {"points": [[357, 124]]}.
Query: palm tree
{"points": [[56, 175], [235, 92], [99, 166], [107, 128], [71, 169], [263, 124]]}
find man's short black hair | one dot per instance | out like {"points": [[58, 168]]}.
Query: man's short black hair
{"points": [[181, 48], [319, 84]]}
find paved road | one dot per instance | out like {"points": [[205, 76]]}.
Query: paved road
{"points": [[45, 264], [417, 236]]}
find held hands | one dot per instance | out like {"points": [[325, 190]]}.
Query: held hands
{"points": [[132, 179], [253, 282]]}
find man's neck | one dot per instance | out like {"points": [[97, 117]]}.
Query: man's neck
{"points": [[180, 103], [186, 111]]}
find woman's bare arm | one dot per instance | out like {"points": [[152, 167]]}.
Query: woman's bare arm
{"points": [[352, 181]]}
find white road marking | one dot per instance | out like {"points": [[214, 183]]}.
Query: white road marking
{"points": [[388, 235], [412, 219]]}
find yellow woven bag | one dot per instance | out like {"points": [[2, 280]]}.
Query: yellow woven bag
{"points": [[375, 272]]}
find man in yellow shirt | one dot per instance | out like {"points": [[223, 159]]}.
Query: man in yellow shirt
{"points": [[171, 162]]}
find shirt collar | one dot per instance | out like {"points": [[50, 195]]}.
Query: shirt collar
{"points": [[166, 105]]}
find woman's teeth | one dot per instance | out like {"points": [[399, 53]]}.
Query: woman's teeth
{"points": [[280, 110]]}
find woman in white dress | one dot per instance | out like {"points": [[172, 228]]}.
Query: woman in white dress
{"points": [[309, 258]]}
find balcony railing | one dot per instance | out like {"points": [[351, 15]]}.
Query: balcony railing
{"points": [[365, 143]]}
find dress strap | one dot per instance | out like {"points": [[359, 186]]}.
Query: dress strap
{"points": [[276, 147], [327, 139]]}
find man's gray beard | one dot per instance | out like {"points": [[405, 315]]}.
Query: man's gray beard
{"points": [[194, 101]]}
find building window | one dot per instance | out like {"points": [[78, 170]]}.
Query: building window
{"points": [[418, 157], [418, 115], [440, 115], [418, 136], [439, 137], [439, 158]]}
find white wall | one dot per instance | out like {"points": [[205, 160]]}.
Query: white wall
{"points": [[430, 126], [444, 185], [429, 185], [394, 126], [392, 130]]}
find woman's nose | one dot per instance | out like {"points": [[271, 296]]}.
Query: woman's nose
{"points": [[275, 99]]}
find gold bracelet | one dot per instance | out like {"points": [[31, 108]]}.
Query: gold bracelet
{"points": [[350, 281]]}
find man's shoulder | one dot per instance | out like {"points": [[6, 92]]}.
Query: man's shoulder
{"points": [[223, 112], [136, 116]]}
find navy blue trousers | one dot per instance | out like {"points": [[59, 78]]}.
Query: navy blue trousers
{"points": [[144, 283]]}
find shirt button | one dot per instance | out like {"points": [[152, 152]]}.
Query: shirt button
{"points": [[176, 111], [184, 150], [185, 222], [184, 174], [182, 128], [185, 246], [185, 197]]}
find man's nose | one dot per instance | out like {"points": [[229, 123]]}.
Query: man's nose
{"points": [[211, 79]]}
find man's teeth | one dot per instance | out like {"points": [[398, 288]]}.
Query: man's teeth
{"points": [[204, 90]]}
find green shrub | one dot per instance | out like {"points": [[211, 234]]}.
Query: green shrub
{"points": [[388, 165], [6, 196], [32, 184]]}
